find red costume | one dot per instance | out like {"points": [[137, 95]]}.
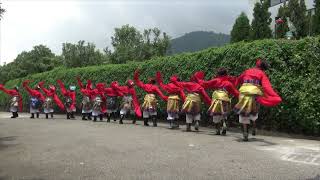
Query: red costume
{"points": [[68, 94], [17, 98], [32, 92], [129, 90], [87, 98], [51, 93], [99, 91]]}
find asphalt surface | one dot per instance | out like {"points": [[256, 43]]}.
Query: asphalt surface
{"points": [[40, 149]]}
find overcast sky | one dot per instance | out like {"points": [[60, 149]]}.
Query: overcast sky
{"points": [[31, 22]]}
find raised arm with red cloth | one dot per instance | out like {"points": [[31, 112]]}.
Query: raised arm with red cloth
{"points": [[255, 89], [99, 107], [16, 100], [130, 102], [51, 97], [70, 99], [36, 100], [149, 105], [112, 94], [87, 99], [176, 93]]}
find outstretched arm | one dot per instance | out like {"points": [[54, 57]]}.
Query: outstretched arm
{"points": [[163, 86], [137, 80], [43, 88], [62, 87], [270, 97], [211, 84], [8, 91], [158, 91], [80, 83], [135, 102], [58, 102], [205, 96]]}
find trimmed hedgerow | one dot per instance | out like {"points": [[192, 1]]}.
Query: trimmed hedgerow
{"points": [[294, 73]]}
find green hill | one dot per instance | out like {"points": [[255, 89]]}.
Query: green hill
{"points": [[198, 40]]}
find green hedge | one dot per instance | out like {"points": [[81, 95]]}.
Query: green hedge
{"points": [[294, 74]]}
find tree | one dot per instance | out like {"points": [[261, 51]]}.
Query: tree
{"points": [[130, 44], [282, 28], [81, 54], [1, 11], [39, 59], [316, 17], [241, 29], [260, 26], [298, 17]]}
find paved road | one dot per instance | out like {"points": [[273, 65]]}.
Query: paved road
{"points": [[41, 149]]}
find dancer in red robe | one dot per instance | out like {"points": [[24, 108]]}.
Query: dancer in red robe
{"points": [[176, 94], [149, 105], [220, 107], [51, 97], [70, 99], [112, 94], [36, 100], [255, 89], [130, 103], [87, 99], [16, 100], [99, 107], [192, 104]]}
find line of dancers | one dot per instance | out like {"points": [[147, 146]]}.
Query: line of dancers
{"points": [[254, 90]]}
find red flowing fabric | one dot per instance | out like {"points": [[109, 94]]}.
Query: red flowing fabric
{"points": [[68, 93], [87, 91], [270, 97], [195, 87], [13, 92], [149, 88], [125, 90], [222, 82], [100, 91], [33, 92], [52, 93], [172, 87]]}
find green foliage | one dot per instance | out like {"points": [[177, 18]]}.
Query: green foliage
{"points": [[316, 18], [294, 73], [241, 29], [197, 40], [282, 28], [39, 59], [129, 44], [81, 54], [260, 26], [297, 14]]}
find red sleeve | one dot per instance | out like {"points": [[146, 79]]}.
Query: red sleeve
{"points": [[205, 96], [270, 97], [137, 80], [46, 91], [232, 90], [182, 95], [73, 97], [136, 104], [80, 83], [209, 84], [239, 80], [162, 96], [58, 102], [20, 103], [62, 87], [160, 82], [8, 91]]}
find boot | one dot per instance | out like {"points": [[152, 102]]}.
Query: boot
{"points": [[51, 115], [114, 117], [217, 129], [253, 128], [84, 117], [175, 123], [94, 118], [68, 115], [72, 115], [121, 118], [154, 120], [134, 120], [224, 128], [171, 124], [47, 115], [245, 133], [32, 116], [89, 116], [196, 126], [37, 115], [16, 114], [188, 127], [101, 117], [13, 115], [108, 117], [146, 122]]}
